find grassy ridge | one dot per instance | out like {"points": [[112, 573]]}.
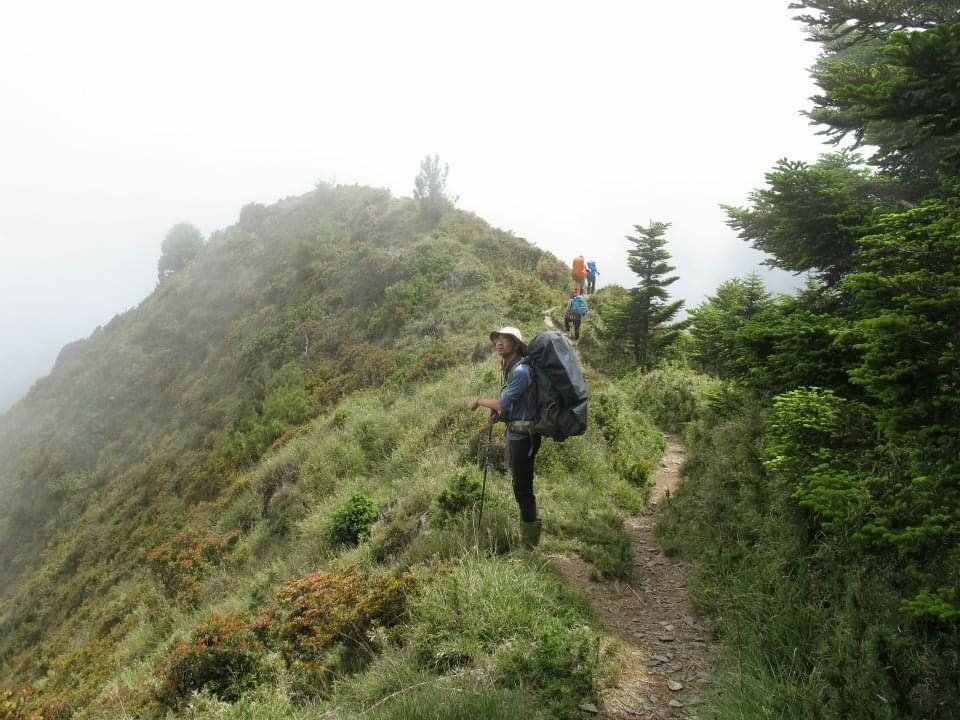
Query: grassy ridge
{"points": [[487, 631], [282, 416], [141, 430]]}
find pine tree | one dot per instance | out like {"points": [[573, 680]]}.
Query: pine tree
{"points": [[430, 189], [647, 317]]}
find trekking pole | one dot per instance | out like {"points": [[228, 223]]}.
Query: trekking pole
{"points": [[486, 464]]}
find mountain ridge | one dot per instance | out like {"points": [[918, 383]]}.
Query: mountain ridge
{"points": [[162, 434]]}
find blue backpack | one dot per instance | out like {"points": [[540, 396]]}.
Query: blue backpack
{"points": [[579, 306]]}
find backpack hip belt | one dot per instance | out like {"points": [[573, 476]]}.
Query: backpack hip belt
{"points": [[521, 426]]}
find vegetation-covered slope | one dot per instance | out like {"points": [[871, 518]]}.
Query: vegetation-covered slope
{"points": [[822, 493], [289, 404]]}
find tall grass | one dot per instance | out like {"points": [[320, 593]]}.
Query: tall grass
{"points": [[490, 630]]}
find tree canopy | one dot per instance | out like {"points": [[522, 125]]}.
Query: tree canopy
{"points": [[808, 217], [181, 245]]}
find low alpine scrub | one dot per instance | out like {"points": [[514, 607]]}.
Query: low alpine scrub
{"points": [[316, 611], [222, 657], [183, 562], [672, 395]]}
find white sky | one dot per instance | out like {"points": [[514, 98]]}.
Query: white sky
{"points": [[567, 123]]}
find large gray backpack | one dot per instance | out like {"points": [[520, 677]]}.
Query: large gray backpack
{"points": [[561, 390]]}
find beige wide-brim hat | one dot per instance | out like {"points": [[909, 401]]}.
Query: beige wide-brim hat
{"points": [[510, 332]]}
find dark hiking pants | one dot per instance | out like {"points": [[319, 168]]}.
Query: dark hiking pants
{"points": [[522, 454], [575, 321]]}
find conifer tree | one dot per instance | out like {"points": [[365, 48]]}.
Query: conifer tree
{"points": [[647, 318], [718, 325], [430, 188]]}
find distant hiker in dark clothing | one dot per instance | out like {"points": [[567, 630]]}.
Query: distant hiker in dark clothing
{"points": [[517, 406], [579, 271], [592, 273], [574, 311]]}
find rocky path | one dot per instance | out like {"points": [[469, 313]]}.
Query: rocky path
{"points": [[663, 649]]}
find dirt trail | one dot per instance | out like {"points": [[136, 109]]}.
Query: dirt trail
{"points": [[664, 652]]}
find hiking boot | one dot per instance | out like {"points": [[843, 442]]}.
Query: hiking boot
{"points": [[530, 534]]}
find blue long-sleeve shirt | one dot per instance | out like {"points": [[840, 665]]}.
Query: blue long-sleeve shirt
{"points": [[519, 380]]}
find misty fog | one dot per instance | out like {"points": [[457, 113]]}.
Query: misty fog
{"points": [[564, 124]]}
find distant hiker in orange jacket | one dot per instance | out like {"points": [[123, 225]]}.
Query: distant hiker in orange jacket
{"points": [[579, 272]]}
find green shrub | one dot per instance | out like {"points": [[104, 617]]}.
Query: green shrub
{"points": [[288, 403], [351, 522], [672, 396], [461, 493], [629, 497], [814, 446], [528, 298], [833, 641]]}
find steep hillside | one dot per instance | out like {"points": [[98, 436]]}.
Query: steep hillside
{"points": [[170, 492]]}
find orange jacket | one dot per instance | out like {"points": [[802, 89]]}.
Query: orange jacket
{"points": [[579, 268]]}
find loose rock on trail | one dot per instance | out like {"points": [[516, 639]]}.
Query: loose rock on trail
{"points": [[664, 652]]}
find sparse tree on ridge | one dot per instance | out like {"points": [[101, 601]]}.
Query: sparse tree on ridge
{"points": [[430, 188], [646, 320], [181, 245]]}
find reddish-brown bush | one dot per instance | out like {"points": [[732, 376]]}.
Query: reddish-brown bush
{"points": [[14, 705], [222, 657], [323, 608], [181, 563]]}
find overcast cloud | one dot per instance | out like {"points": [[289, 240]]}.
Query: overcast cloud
{"points": [[567, 123]]}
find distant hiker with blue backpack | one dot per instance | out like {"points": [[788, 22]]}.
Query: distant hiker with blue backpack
{"points": [[592, 273], [543, 394], [517, 406], [574, 311]]}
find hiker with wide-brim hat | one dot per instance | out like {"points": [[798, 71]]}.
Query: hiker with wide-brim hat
{"points": [[517, 407]]}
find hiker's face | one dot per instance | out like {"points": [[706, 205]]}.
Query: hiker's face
{"points": [[504, 345]]}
